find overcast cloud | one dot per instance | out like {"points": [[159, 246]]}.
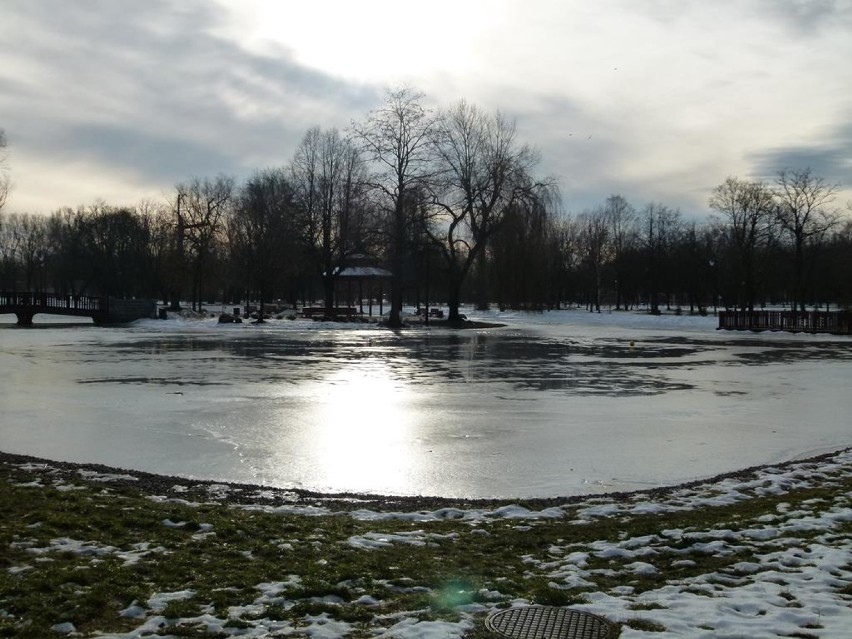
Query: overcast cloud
{"points": [[656, 100]]}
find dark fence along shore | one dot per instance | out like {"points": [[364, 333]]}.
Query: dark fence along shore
{"points": [[836, 322]]}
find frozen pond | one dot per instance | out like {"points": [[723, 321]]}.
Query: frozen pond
{"points": [[551, 404]]}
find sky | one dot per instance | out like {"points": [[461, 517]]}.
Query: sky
{"points": [[655, 100]]}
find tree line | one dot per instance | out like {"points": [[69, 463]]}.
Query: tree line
{"points": [[450, 204]]}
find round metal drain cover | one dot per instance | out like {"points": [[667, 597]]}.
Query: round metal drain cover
{"points": [[545, 622]]}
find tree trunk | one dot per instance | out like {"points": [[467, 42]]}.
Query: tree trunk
{"points": [[328, 291], [800, 274], [482, 301], [454, 300], [395, 317]]}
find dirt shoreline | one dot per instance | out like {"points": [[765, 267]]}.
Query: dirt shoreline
{"points": [[206, 490]]}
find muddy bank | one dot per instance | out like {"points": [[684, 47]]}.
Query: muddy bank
{"points": [[227, 492]]}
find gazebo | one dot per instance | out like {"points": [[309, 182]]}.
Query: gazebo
{"points": [[358, 278]]}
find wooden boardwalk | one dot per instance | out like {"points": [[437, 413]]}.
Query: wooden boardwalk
{"points": [[834, 322], [103, 310]]}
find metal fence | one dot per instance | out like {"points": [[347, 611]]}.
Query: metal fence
{"points": [[836, 322]]}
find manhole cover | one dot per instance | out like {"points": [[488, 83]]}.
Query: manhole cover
{"points": [[540, 622]]}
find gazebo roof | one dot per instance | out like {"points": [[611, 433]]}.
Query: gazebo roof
{"points": [[362, 272]]}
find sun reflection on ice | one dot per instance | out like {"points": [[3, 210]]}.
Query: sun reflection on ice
{"points": [[363, 432]]}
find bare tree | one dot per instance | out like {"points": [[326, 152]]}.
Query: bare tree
{"points": [[805, 215], [481, 173], [595, 247], [7, 255], [567, 246], [305, 169], [23, 250], [10, 239], [693, 266], [328, 172], [5, 183], [395, 139], [200, 222], [175, 260], [158, 217], [524, 258], [115, 242], [260, 229], [620, 216], [748, 216], [837, 268], [659, 227]]}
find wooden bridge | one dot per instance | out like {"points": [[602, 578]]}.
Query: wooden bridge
{"points": [[837, 322], [103, 310]]}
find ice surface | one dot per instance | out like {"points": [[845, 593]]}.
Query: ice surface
{"points": [[552, 404]]}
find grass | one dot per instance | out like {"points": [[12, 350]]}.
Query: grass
{"points": [[219, 555], [645, 625]]}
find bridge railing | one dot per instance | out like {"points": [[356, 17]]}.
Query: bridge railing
{"points": [[13, 299]]}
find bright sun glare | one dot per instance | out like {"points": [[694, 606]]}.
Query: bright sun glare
{"points": [[364, 435]]}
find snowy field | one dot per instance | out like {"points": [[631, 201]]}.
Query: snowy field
{"points": [[552, 404]]}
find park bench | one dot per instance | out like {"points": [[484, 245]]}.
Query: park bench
{"points": [[336, 311]]}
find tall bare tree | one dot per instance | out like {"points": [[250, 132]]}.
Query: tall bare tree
{"points": [[28, 241], [596, 248], [8, 255], [305, 168], [201, 209], [261, 229], [659, 228], [329, 177], [22, 250], [694, 265], [567, 248], [805, 215], [395, 138], [481, 173], [5, 182], [115, 241], [158, 217], [748, 217], [620, 216], [524, 259]]}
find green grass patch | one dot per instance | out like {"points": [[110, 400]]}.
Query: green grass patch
{"points": [[645, 625], [85, 555]]}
